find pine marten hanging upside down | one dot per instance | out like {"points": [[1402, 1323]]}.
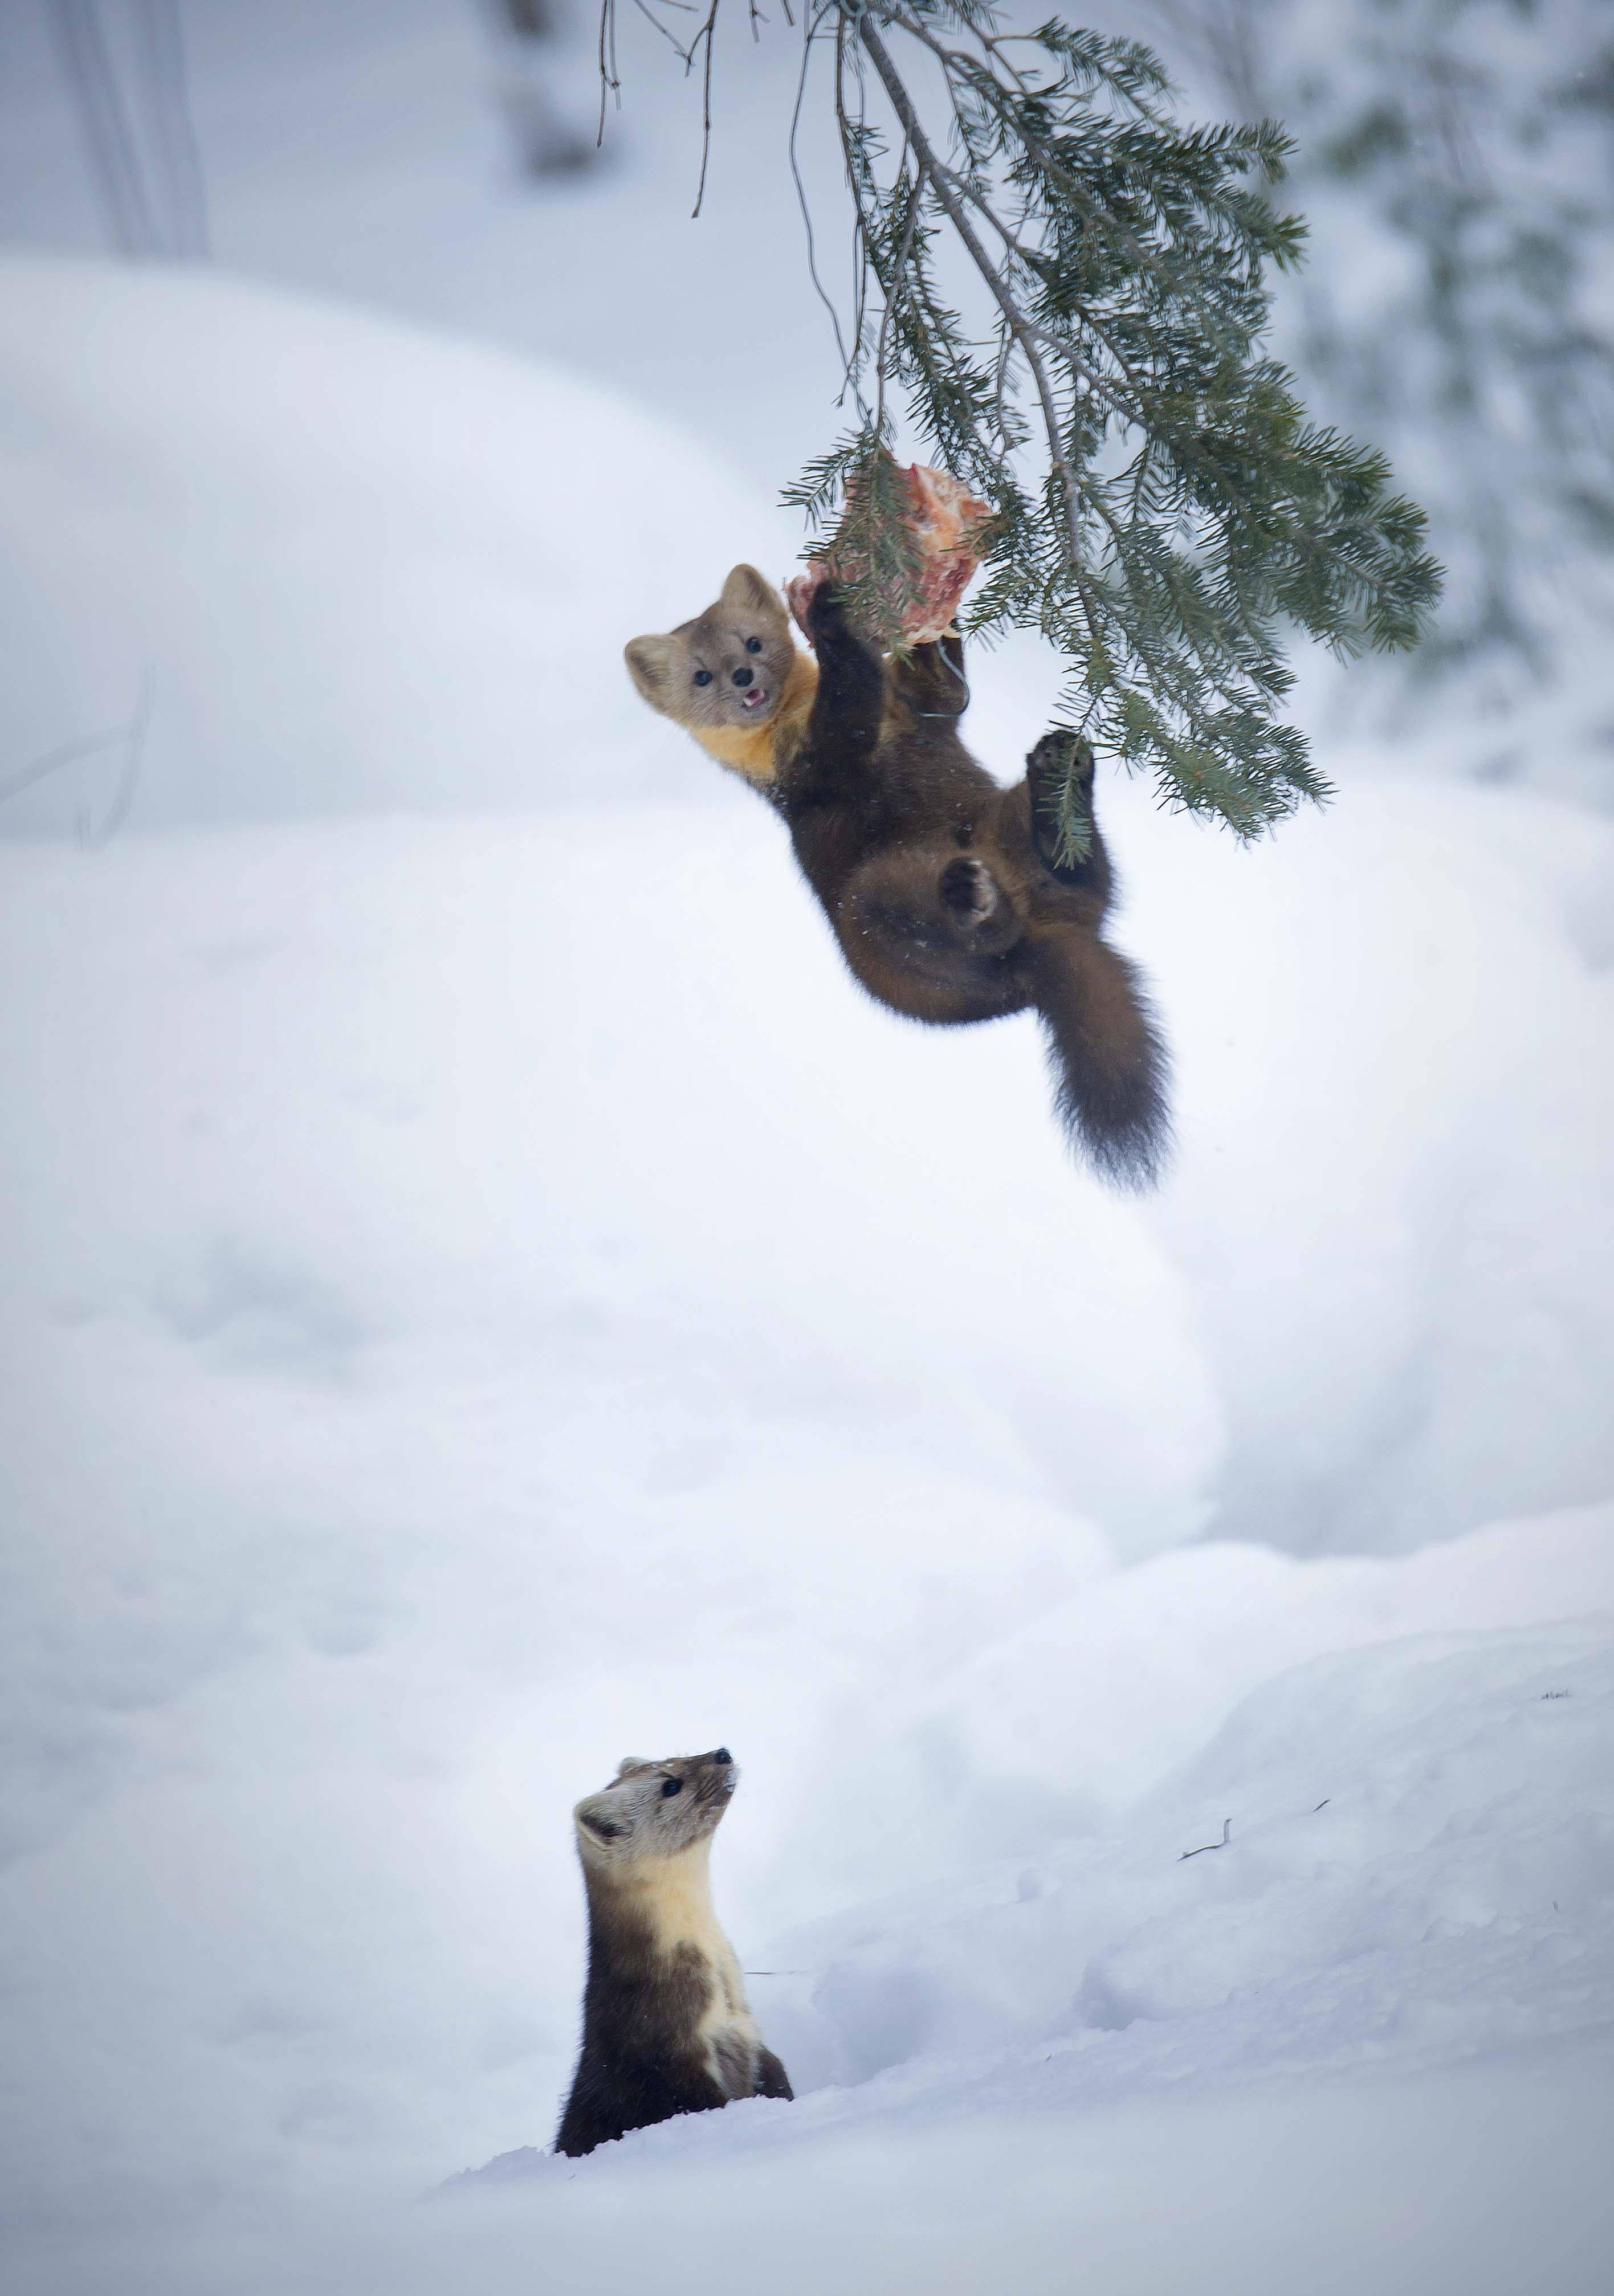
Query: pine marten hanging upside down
{"points": [[943, 889]]}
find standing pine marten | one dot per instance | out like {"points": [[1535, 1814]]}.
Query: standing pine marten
{"points": [[665, 2025], [943, 889]]}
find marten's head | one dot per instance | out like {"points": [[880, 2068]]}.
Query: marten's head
{"points": [[726, 669], [654, 1809]]}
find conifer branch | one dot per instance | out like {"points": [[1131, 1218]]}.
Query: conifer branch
{"points": [[1014, 319], [1162, 508]]}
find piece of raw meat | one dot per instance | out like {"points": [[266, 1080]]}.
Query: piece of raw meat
{"points": [[943, 518]]}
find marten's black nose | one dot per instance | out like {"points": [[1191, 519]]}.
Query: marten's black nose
{"points": [[740, 677], [720, 1754]]}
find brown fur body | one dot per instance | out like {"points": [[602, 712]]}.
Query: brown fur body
{"points": [[941, 887]]}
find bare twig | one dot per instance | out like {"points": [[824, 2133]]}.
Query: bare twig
{"points": [[810, 25], [90, 745], [1204, 1846], [123, 796], [704, 34], [671, 38], [610, 85]]}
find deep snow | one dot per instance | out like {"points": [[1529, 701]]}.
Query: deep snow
{"points": [[484, 1292], [347, 555]]}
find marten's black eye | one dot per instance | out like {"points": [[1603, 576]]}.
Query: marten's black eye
{"points": [[672, 1785], [703, 677], [753, 645]]}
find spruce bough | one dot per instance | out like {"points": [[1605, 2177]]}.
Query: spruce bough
{"points": [[1162, 507]]}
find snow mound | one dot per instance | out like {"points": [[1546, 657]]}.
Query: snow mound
{"points": [[486, 1292], [465, 1325], [359, 565], [1402, 1852]]}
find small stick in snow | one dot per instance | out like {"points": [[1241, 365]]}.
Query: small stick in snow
{"points": [[1204, 1846]]}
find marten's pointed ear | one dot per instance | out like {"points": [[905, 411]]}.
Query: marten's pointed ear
{"points": [[746, 588], [649, 664], [603, 1817]]}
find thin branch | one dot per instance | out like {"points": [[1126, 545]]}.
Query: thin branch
{"points": [[671, 38], [1014, 318], [123, 796], [809, 29], [705, 33], [610, 85], [900, 267], [88, 745], [130, 736]]}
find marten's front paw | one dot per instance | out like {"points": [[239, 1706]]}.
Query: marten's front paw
{"points": [[799, 592], [1059, 774], [815, 601], [826, 609], [1062, 756]]}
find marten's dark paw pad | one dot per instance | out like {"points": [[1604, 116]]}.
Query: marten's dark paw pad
{"points": [[1058, 773], [827, 605], [1062, 756], [802, 594], [970, 892]]}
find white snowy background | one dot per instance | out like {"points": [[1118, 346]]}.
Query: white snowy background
{"points": [[483, 1294]]}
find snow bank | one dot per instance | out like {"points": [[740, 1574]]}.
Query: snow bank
{"points": [[1425, 2186], [484, 1292], [464, 1326], [1405, 1851], [360, 565], [1396, 1203]]}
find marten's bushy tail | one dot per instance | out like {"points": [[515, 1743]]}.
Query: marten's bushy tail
{"points": [[1109, 1064]]}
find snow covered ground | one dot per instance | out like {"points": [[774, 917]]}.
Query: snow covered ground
{"points": [[484, 1293]]}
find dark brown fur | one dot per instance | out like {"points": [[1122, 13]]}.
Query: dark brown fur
{"points": [[942, 888], [638, 2063]]}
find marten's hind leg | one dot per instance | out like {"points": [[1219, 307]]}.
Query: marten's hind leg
{"points": [[930, 931]]}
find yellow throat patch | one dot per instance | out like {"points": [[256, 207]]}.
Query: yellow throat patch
{"points": [[758, 755]]}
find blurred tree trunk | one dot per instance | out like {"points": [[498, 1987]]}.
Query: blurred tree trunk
{"points": [[542, 88], [125, 74]]}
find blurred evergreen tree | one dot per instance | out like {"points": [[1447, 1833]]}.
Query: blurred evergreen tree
{"points": [[1457, 159]]}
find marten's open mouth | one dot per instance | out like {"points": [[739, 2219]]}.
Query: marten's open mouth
{"points": [[755, 698]]}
